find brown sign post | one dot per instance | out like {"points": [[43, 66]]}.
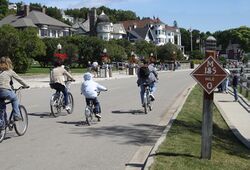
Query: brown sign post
{"points": [[209, 75]]}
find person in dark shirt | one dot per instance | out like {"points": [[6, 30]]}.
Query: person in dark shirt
{"points": [[235, 83]]}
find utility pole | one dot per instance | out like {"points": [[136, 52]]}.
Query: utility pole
{"points": [[191, 39]]}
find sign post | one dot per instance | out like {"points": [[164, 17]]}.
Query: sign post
{"points": [[209, 75]]}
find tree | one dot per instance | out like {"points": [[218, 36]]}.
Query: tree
{"points": [[116, 52], [3, 8], [143, 48], [72, 52], [168, 52], [21, 46]]}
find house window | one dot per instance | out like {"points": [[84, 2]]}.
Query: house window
{"points": [[44, 33]]}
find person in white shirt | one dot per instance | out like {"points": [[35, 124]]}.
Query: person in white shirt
{"points": [[90, 90]]}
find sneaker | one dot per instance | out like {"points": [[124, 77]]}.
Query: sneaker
{"points": [[152, 98], [98, 115], [67, 108], [17, 117]]}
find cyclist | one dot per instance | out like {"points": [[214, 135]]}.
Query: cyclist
{"points": [[90, 90], [57, 81], [147, 74], [6, 88]]}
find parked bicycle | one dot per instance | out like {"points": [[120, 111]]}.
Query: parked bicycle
{"points": [[8, 120], [57, 101], [147, 103], [90, 113]]}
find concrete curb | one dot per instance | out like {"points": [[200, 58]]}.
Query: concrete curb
{"points": [[174, 111], [232, 127]]}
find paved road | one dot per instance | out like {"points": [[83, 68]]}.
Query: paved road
{"points": [[63, 143]]}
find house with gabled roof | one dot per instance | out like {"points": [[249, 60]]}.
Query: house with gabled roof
{"points": [[100, 26], [159, 33], [46, 25]]}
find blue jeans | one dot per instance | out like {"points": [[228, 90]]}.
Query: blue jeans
{"points": [[152, 89], [235, 93], [97, 107], [59, 87], [6, 94]]}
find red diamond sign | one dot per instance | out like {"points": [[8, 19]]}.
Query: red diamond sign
{"points": [[209, 74]]}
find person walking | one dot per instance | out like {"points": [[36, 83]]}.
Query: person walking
{"points": [[235, 83]]}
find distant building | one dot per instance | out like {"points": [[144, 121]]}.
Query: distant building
{"points": [[46, 25], [99, 26], [234, 51], [67, 17], [152, 30], [12, 6]]}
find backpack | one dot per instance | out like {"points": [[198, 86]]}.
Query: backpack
{"points": [[144, 72]]}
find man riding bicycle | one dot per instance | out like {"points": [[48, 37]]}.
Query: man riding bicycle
{"points": [[57, 81], [147, 74]]}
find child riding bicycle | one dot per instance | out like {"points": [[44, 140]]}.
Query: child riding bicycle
{"points": [[90, 90]]}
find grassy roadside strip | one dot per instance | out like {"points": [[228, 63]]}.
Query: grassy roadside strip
{"points": [[181, 149]]}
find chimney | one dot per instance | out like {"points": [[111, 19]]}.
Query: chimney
{"points": [[92, 21], [44, 10], [26, 10]]}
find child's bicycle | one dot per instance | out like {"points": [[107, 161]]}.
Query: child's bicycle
{"points": [[8, 122], [57, 101], [89, 112]]}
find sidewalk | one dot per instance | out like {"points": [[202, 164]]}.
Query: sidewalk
{"points": [[38, 81], [236, 116]]}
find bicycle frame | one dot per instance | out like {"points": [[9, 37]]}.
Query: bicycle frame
{"points": [[8, 122]]}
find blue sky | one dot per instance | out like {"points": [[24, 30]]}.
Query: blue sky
{"points": [[204, 15]]}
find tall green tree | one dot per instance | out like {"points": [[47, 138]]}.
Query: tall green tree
{"points": [[168, 52], [3, 8]]}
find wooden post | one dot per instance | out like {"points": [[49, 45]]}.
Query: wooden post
{"points": [[207, 125], [207, 117]]}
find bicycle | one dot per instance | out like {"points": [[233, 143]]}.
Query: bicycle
{"points": [[57, 101], [89, 112], [146, 98], [8, 122]]}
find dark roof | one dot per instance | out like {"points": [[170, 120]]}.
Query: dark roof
{"points": [[141, 33], [140, 23], [33, 18], [102, 18], [38, 17], [23, 22]]}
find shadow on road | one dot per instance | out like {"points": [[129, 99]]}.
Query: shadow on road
{"points": [[76, 123], [45, 114], [128, 112], [137, 134]]}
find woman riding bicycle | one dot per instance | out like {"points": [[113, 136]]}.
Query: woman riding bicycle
{"points": [[6, 92], [90, 90], [147, 75], [57, 81]]}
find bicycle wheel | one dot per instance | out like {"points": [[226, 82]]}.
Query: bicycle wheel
{"points": [[145, 105], [2, 134], [71, 103], [55, 105], [21, 125], [89, 115]]}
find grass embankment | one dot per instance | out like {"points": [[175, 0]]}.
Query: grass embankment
{"points": [[182, 147], [244, 93]]}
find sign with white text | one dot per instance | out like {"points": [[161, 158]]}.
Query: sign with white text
{"points": [[209, 74]]}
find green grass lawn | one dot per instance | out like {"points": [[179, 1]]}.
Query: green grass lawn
{"points": [[182, 147], [45, 70], [244, 93]]}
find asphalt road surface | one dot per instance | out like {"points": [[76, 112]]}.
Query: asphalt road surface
{"points": [[67, 143]]}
